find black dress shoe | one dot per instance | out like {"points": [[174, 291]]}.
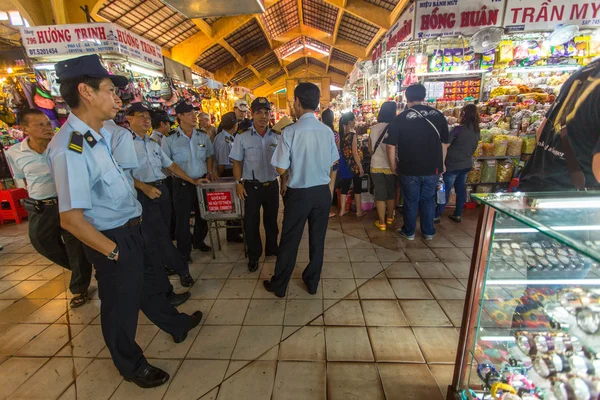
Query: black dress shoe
{"points": [[170, 272], [149, 377], [203, 248], [177, 299], [186, 280], [196, 318], [311, 290], [268, 288], [252, 265], [188, 259], [270, 254]]}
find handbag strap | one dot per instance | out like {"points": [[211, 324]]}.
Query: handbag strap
{"points": [[430, 123], [380, 138]]}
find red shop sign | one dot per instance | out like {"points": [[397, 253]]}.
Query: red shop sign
{"points": [[219, 201]]}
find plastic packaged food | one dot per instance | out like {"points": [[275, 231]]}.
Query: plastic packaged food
{"points": [[488, 171], [479, 150], [488, 150], [505, 171], [474, 175], [529, 143], [500, 145], [484, 188], [515, 145]]}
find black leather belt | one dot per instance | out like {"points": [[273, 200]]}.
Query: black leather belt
{"points": [[47, 202], [156, 183], [132, 223], [258, 183]]}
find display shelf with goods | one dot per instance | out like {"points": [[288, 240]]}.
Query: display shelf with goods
{"points": [[531, 324]]}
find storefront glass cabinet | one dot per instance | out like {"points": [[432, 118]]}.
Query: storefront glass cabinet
{"points": [[531, 322]]}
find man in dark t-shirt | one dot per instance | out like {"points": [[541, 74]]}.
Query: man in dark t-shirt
{"points": [[417, 141], [578, 109]]}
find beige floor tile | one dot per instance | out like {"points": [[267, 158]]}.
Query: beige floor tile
{"points": [[191, 306], [217, 271], [337, 288], [128, 391], [255, 381], [47, 343], [424, 313], [48, 313], [394, 344], [366, 270], [450, 254], [420, 254], [21, 290], [215, 342], [261, 293], [48, 382], [255, 340], [48, 273], [301, 312], [345, 312], [462, 241], [99, 380], [69, 394], [235, 366], [401, 270], [7, 270], [353, 381], [85, 314], [195, 378], [238, 289], [383, 313], [358, 242], [406, 381], [300, 381], [265, 312], [270, 355], [454, 310], [18, 336], [387, 255], [362, 255], [376, 289], [267, 271], [440, 241], [240, 271], [88, 343], [334, 255], [460, 269], [227, 312], [307, 344], [163, 346], [347, 344], [446, 289], [212, 395], [15, 371], [337, 270], [443, 375], [5, 285], [297, 290], [207, 288], [5, 303], [23, 273], [439, 345], [410, 289], [432, 269]]}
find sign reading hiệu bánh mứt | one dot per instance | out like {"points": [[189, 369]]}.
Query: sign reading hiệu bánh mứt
{"points": [[456, 17], [52, 42], [538, 15]]}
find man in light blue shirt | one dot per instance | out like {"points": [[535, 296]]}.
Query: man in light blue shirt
{"points": [[161, 125], [307, 152], [257, 181], [99, 207], [192, 150], [29, 160]]}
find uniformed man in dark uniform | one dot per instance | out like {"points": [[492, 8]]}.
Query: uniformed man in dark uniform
{"points": [[98, 205], [192, 150], [257, 181]]}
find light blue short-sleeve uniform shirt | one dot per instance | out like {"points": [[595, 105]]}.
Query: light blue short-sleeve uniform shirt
{"points": [[223, 144], [152, 160], [122, 145], [307, 149], [190, 154], [28, 164], [255, 153], [91, 180], [157, 137]]}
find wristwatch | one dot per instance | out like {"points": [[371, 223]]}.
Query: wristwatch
{"points": [[241, 181], [113, 254]]}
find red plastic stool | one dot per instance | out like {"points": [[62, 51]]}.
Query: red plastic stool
{"points": [[13, 198]]}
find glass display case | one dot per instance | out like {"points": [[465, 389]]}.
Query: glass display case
{"points": [[531, 322]]}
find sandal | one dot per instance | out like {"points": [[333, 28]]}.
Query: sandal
{"points": [[382, 227], [332, 214], [361, 215], [389, 221], [80, 300]]}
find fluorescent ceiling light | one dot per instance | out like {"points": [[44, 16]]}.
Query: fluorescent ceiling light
{"points": [[3, 16], [15, 18], [309, 46], [145, 71], [26, 22], [544, 69]]}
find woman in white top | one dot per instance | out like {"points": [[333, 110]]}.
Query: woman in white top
{"points": [[382, 175]]}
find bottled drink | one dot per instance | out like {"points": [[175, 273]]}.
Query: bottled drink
{"points": [[441, 191]]}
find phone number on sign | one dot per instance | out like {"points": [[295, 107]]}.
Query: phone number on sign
{"points": [[43, 52]]}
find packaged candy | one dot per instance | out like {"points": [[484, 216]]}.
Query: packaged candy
{"points": [[506, 51], [515, 144], [582, 46], [488, 59], [505, 171], [488, 171], [500, 145], [529, 143], [474, 175], [458, 57], [488, 150], [479, 150], [437, 61]]}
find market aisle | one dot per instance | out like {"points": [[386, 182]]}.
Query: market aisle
{"points": [[387, 311]]}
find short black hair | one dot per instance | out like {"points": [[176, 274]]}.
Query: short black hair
{"points": [[160, 117], [308, 94], [69, 88], [23, 114], [387, 112], [327, 117], [416, 92]]}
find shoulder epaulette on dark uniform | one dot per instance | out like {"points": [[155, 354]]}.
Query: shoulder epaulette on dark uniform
{"points": [[90, 139], [171, 132], [76, 142]]}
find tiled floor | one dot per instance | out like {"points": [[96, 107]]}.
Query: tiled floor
{"points": [[383, 324]]}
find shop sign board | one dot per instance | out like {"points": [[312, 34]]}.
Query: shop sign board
{"points": [[401, 31], [57, 41], [456, 17], [536, 15]]}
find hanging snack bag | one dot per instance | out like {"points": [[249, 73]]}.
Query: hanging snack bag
{"points": [[469, 58], [488, 171], [448, 63], [458, 58], [529, 143], [515, 144], [488, 59], [582, 46], [488, 149], [506, 51], [479, 150], [505, 171], [500, 145], [474, 175], [570, 49], [436, 62]]}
